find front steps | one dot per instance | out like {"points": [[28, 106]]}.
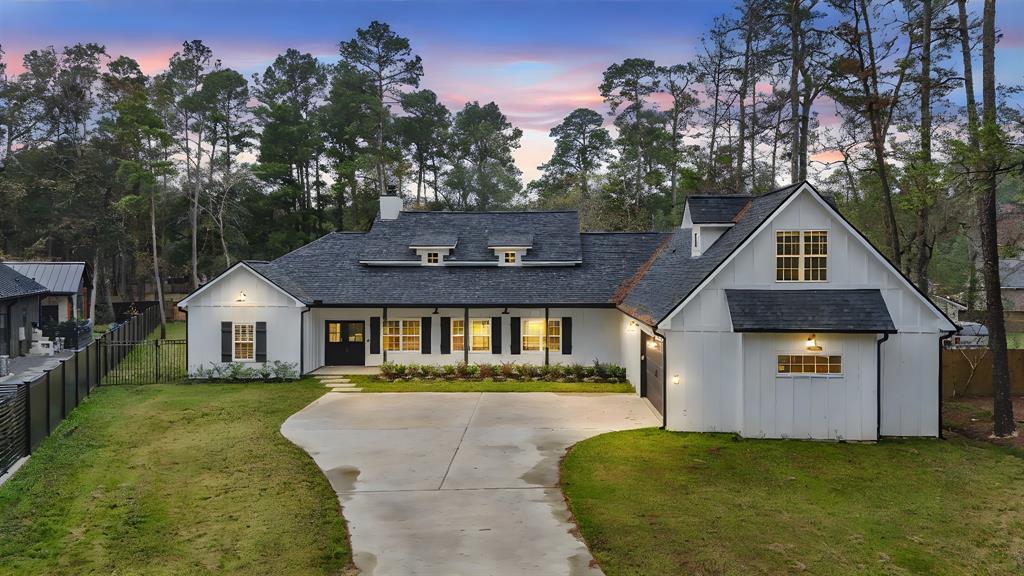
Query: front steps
{"points": [[338, 384]]}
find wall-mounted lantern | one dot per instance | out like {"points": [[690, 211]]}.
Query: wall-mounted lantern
{"points": [[632, 327], [241, 296], [675, 379], [812, 344]]}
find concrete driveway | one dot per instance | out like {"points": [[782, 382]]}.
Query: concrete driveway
{"points": [[458, 483]]}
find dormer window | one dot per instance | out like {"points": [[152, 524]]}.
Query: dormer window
{"points": [[433, 258], [511, 258]]}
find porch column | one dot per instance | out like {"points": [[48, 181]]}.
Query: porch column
{"points": [[546, 336], [466, 335]]}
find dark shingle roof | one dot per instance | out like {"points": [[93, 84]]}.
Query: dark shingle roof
{"points": [[58, 277], [715, 209], [16, 285], [808, 311], [509, 240], [326, 271], [432, 240], [556, 235], [674, 274], [1011, 273]]}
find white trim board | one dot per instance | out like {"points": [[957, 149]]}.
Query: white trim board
{"points": [[183, 304]]}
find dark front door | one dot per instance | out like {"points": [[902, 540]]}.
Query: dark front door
{"points": [[344, 343], [652, 371]]}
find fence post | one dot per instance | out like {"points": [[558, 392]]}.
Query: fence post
{"points": [[49, 402], [28, 417], [156, 360]]}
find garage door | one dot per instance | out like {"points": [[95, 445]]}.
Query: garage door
{"points": [[652, 375]]}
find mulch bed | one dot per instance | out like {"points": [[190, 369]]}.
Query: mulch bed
{"points": [[972, 418]]}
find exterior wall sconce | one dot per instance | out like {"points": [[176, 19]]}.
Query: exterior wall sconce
{"points": [[505, 311], [435, 311], [632, 327], [241, 296], [675, 379], [653, 344], [812, 344]]}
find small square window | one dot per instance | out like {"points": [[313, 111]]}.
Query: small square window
{"points": [[433, 257], [510, 257]]}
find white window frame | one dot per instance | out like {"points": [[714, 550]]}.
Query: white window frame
{"points": [[545, 336], [472, 337], [804, 353], [436, 256], [801, 255], [235, 341], [461, 333], [401, 335]]}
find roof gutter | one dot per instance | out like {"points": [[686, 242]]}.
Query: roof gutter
{"points": [[878, 386]]}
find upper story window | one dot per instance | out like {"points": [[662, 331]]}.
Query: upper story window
{"points": [[801, 256], [510, 257], [402, 335], [433, 257]]}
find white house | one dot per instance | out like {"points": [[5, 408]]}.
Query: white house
{"points": [[769, 316]]}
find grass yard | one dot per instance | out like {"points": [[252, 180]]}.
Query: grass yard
{"points": [[656, 502], [175, 331], [174, 479], [372, 384]]}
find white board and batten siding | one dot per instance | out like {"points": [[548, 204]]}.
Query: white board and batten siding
{"points": [[218, 302], [730, 381]]}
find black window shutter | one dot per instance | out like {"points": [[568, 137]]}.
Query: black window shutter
{"points": [[446, 335], [375, 335], [566, 335], [514, 327], [496, 335], [261, 341], [425, 335], [225, 342]]}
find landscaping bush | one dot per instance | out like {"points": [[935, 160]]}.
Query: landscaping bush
{"points": [[598, 372], [276, 371]]}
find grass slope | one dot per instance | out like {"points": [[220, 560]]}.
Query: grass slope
{"points": [[656, 502], [371, 384], [174, 479]]}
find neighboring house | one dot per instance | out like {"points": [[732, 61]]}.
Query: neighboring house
{"points": [[949, 307], [769, 316], [970, 335], [69, 284], [19, 310], [1011, 278]]}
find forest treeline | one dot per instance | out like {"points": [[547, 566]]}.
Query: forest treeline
{"points": [[190, 169]]}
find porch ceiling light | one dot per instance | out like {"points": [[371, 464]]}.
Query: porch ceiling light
{"points": [[812, 344], [241, 296]]}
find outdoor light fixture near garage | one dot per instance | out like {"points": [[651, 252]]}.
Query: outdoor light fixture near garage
{"points": [[241, 296], [675, 379], [632, 327], [812, 344]]}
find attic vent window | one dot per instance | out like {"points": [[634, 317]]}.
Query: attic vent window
{"points": [[433, 258], [510, 257]]}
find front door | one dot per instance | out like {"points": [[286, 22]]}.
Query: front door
{"points": [[344, 343]]}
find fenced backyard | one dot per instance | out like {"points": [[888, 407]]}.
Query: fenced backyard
{"points": [[125, 354]]}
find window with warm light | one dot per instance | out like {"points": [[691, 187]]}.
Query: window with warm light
{"points": [[554, 334], [334, 332], [458, 335], [433, 257], [244, 342], [402, 335], [480, 335], [532, 338], [809, 364], [511, 257], [801, 256]]}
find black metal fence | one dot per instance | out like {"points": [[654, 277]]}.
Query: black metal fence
{"points": [[30, 411]]}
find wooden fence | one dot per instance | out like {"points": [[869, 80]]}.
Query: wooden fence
{"points": [[968, 372], [30, 411]]}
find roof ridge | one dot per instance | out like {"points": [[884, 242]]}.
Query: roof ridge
{"points": [[471, 212]]}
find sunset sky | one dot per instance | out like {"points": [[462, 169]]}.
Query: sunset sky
{"points": [[537, 59]]}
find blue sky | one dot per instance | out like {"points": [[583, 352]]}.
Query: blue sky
{"points": [[537, 59]]}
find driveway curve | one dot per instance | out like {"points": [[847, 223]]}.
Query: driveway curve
{"points": [[459, 483]]}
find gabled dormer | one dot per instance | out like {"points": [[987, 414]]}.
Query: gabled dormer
{"points": [[708, 217], [509, 247]]}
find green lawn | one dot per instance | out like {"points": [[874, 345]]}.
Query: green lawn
{"points": [[372, 384], [174, 479], [175, 331], [656, 502]]}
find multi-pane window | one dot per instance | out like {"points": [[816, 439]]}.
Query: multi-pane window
{"points": [[245, 342], [533, 335], [808, 364], [433, 257], [334, 332], [458, 335], [480, 335], [801, 256], [510, 257], [402, 335]]}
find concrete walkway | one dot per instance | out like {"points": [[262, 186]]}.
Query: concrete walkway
{"points": [[459, 483]]}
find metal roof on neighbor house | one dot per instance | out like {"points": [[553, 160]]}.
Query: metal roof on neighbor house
{"points": [[1011, 273], [58, 277], [15, 285], [809, 311]]}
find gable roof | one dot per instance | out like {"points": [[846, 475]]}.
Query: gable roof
{"points": [[555, 236], [848, 311], [57, 277], [715, 208], [16, 285], [674, 273], [325, 273], [250, 265]]}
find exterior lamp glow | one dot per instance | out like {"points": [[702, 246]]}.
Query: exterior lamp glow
{"points": [[631, 327], [675, 379], [812, 344], [241, 296]]}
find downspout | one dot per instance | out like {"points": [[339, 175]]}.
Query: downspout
{"points": [[664, 377], [946, 336], [878, 386], [302, 341]]}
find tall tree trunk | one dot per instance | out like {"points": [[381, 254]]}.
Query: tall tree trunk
{"points": [[923, 248], [794, 98], [194, 216], [1002, 404], [156, 264]]}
